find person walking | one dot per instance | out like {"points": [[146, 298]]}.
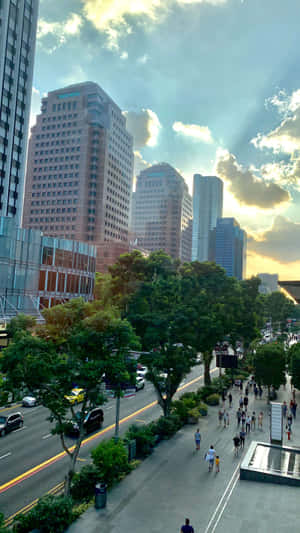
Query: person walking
{"points": [[289, 422], [226, 419], [243, 419], [255, 391], [247, 389], [260, 420], [241, 386], [294, 408], [187, 528], [284, 409], [246, 400], [248, 424], [210, 457], [253, 420], [197, 439], [242, 438], [260, 391], [238, 417], [217, 464], [220, 416], [241, 401], [230, 399], [236, 443]]}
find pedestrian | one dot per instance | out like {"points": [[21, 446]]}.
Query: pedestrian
{"points": [[223, 397], [217, 463], [288, 432], [260, 419], [197, 439], [284, 409], [220, 416], [247, 390], [210, 458], [289, 422], [246, 402], [291, 404], [241, 386], [238, 417], [243, 419], [187, 528], [236, 443], [230, 399], [242, 438], [248, 424], [260, 391], [253, 420], [294, 408], [226, 419], [255, 391], [241, 402]]}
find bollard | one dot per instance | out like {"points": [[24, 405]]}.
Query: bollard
{"points": [[100, 495]]}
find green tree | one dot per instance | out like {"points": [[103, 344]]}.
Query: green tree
{"points": [[294, 364], [278, 307], [269, 363], [20, 323]]}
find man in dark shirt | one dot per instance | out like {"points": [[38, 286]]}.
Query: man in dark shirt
{"points": [[187, 528]]}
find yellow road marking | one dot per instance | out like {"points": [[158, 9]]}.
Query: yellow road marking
{"points": [[10, 408], [55, 458], [80, 459]]}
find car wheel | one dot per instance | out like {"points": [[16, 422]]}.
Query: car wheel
{"points": [[2, 433]]}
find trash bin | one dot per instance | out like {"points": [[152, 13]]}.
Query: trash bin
{"points": [[131, 449], [100, 495]]}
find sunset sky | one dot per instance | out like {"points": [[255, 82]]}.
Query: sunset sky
{"points": [[209, 86]]}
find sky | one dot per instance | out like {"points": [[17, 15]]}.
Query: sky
{"points": [[209, 86]]}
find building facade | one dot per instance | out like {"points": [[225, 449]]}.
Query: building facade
{"points": [[228, 247], [269, 283], [207, 208], [18, 23], [39, 272], [80, 167], [162, 212]]}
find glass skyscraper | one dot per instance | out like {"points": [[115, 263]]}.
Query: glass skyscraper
{"points": [[230, 247], [18, 24], [207, 208]]}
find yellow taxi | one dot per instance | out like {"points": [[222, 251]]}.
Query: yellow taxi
{"points": [[76, 396]]}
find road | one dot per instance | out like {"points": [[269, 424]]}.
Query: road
{"points": [[32, 461]]}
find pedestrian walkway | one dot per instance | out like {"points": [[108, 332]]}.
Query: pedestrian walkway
{"points": [[174, 483]]}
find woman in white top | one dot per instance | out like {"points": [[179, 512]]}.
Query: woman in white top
{"points": [[210, 457]]}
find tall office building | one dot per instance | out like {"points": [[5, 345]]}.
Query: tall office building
{"points": [[228, 244], [207, 208], [269, 283], [162, 212], [18, 23], [80, 167]]}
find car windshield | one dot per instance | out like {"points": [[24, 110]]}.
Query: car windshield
{"points": [[2, 419]]}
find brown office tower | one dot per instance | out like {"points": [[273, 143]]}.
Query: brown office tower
{"points": [[80, 168], [162, 212]]}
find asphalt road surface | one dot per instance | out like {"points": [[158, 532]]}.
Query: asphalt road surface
{"points": [[31, 458]]}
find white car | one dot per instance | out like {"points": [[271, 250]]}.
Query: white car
{"points": [[29, 401], [140, 383], [142, 371]]}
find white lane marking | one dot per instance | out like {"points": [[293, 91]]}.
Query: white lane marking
{"points": [[20, 429], [225, 504], [232, 480], [111, 407], [5, 455], [47, 436]]}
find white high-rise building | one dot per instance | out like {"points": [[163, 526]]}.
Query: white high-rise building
{"points": [[18, 24], [207, 208]]}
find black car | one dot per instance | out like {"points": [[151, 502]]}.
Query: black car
{"points": [[93, 420], [10, 422]]}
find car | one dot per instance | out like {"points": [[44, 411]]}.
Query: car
{"points": [[10, 422], [29, 401], [93, 420], [141, 371], [139, 383], [76, 396]]}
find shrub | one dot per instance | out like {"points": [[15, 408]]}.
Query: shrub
{"points": [[166, 426], [144, 437], [193, 414], [83, 483], [213, 399], [180, 408], [3, 529], [52, 513], [205, 391], [202, 409], [111, 459]]}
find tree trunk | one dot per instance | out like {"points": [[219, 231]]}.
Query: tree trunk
{"points": [[117, 418], [207, 361], [70, 474]]}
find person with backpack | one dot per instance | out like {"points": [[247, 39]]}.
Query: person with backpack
{"points": [[236, 443], [187, 528]]}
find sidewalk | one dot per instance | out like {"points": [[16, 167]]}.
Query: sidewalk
{"points": [[174, 483]]}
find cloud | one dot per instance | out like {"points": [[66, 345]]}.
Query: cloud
{"points": [[286, 137], [114, 17], [59, 32], [124, 55], [280, 242], [246, 187], [143, 59], [144, 125], [35, 106], [200, 133]]}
